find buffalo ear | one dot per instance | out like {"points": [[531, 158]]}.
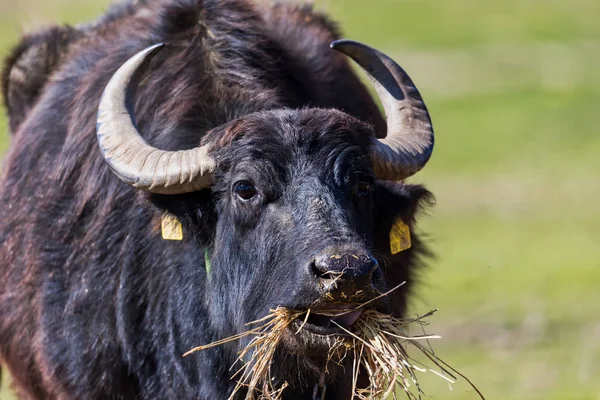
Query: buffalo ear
{"points": [[29, 66], [402, 200], [195, 210]]}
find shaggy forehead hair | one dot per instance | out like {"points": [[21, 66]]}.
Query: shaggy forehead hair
{"points": [[295, 132]]}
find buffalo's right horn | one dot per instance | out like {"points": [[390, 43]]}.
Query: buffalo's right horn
{"points": [[409, 141], [131, 158]]}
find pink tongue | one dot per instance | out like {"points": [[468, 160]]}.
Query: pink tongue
{"points": [[348, 319]]}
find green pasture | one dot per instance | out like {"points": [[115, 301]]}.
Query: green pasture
{"points": [[513, 87]]}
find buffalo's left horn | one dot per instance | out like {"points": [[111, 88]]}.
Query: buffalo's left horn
{"points": [[131, 158], [409, 140]]}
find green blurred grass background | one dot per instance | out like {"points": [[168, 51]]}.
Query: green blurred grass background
{"points": [[513, 87]]}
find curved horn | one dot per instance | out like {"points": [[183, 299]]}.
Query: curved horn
{"points": [[409, 141], [130, 157]]}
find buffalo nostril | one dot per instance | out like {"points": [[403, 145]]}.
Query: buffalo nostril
{"points": [[376, 275], [317, 269], [358, 269], [322, 269]]}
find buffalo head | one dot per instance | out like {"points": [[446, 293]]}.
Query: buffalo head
{"points": [[302, 200]]}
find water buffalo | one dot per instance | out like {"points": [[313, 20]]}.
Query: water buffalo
{"points": [[262, 147]]}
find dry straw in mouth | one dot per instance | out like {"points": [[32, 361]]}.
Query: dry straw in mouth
{"points": [[378, 344], [255, 374]]}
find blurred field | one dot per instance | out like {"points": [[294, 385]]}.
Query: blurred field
{"points": [[513, 87]]}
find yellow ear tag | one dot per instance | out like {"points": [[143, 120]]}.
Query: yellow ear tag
{"points": [[171, 227], [399, 237]]}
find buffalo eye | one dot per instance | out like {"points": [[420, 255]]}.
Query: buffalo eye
{"points": [[364, 188], [244, 190]]}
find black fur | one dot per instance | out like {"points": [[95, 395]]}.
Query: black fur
{"points": [[93, 303]]}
